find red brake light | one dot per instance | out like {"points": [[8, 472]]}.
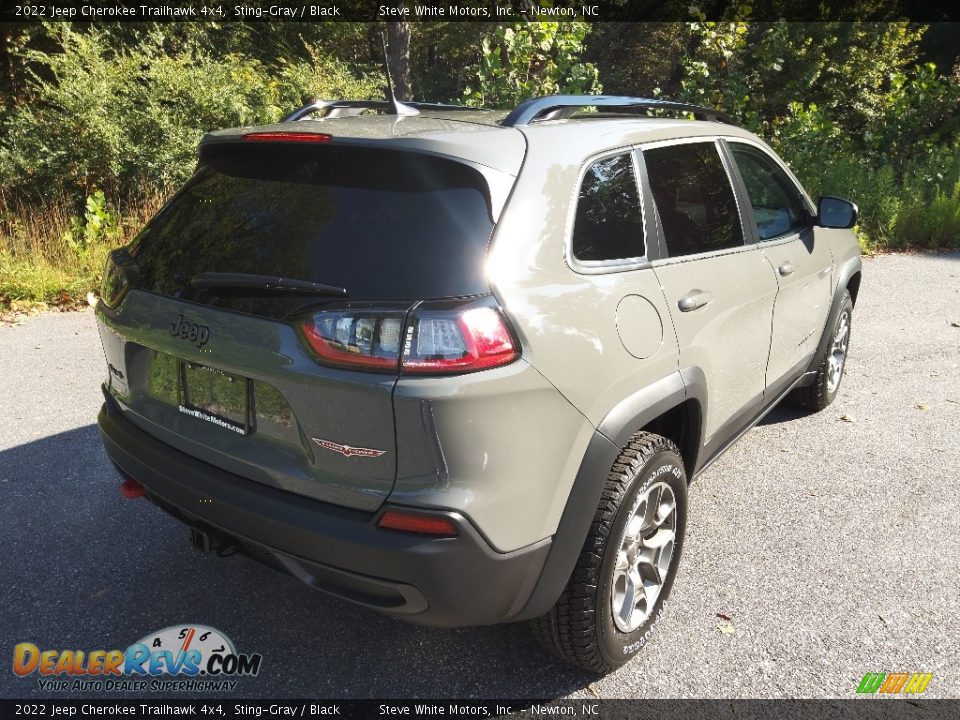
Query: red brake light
{"points": [[423, 524], [442, 341], [363, 339], [286, 136]]}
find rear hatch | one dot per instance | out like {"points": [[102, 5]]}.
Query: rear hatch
{"points": [[219, 366]]}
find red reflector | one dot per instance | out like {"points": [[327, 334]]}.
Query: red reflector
{"points": [[131, 489], [299, 137], [424, 524]]}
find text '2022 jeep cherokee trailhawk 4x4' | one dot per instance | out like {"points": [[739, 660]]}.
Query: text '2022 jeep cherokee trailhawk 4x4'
{"points": [[459, 366]]}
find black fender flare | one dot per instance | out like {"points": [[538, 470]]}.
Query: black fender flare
{"points": [[613, 432], [846, 271]]}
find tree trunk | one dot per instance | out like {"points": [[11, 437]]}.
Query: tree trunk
{"points": [[398, 56]]}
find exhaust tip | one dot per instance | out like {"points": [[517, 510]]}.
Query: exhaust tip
{"points": [[209, 541]]}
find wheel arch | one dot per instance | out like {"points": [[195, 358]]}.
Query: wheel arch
{"points": [[853, 285], [675, 405], [848, 280]]}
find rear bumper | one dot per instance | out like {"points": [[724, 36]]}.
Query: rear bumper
{"points": [[432, 581]]}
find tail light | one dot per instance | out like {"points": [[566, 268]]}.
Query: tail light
{"points": [[439, 341], [356, 338], [433, 338]]}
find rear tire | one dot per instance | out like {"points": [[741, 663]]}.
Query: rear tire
{"points": [[619, 587], [826, 385]]}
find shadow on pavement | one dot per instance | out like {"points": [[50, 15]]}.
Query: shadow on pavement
{"points": [[785, 411], [87, 569]]}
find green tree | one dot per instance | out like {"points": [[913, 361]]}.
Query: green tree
{"points": [[640, 59], [535, 58], [444, 58], [110, 118]]}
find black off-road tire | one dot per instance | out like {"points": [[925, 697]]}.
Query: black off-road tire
{"points": [[820, 394], [580, 628]]}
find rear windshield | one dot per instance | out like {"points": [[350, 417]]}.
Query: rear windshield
{"points": [[385, 225]]}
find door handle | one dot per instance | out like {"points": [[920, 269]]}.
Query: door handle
{"points": [[694, 300], [788, 268]]}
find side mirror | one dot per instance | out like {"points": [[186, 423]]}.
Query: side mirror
{"points": [[834, 212]]}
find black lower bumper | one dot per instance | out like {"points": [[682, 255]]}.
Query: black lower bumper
{"points": [[433, 581]]}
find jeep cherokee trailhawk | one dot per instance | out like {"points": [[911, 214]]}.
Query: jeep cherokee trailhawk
{"points": [[459, 366]]}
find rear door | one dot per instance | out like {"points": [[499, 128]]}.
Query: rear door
{"points": [[782, 222], [230, 375], [719, 289]]}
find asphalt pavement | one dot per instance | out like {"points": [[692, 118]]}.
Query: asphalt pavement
{"points": [[819, 548]]}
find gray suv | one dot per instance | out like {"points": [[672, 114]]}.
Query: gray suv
{"points": [[460, 366]]}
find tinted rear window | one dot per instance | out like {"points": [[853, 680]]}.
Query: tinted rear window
{"points": [[382, 224]]}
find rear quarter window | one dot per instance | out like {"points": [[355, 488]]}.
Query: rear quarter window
{"points": [[608, 224]]}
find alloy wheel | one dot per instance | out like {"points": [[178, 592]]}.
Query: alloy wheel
{"points": [[643, 559], [838, 352]]}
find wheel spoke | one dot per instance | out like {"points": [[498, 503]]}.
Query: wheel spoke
{"points": [[841, 336], [629, 598], [665, 510], [638, 590], [651, 591], [650, 511], [658, 539]]}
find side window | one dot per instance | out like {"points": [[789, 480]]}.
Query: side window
{"points": [[694, 198], [777, 206], [609, 225]]}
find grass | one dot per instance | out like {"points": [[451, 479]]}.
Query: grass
{"points": [[54, 255]]}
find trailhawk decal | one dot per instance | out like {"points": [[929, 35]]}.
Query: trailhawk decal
{"points": [[348, 450]]}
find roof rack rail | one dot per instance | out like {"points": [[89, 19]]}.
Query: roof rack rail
{"points": [[352, 108], [559, 107]]}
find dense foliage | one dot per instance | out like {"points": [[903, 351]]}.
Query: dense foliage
{"points": [[111, 118], [849, 107], [539, 58], [99, 123]]}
